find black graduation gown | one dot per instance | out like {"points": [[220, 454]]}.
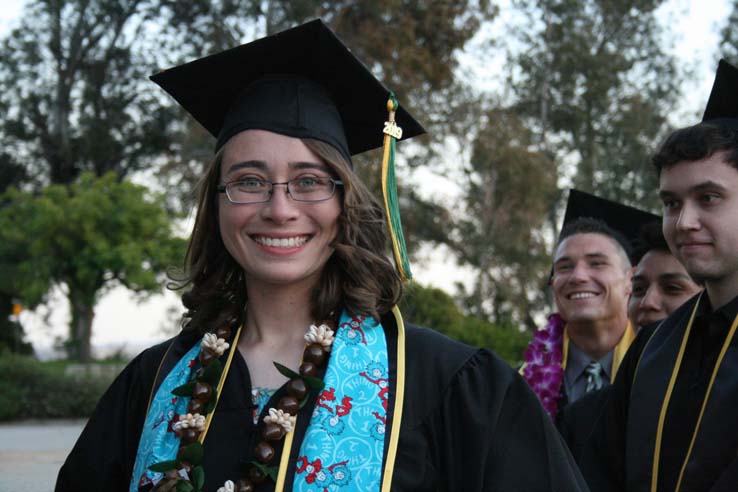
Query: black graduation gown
{"points": [[576, 420], [619, 454], [469, 423]]}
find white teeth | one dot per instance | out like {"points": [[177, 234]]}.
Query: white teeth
{"points": [[281, 242], [582, 295]]}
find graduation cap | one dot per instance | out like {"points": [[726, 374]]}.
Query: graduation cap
{"points": [[626, 221], [303, 83], [722, 106]]}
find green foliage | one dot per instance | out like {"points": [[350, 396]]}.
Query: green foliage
{"points": [[33, 389], [729, 36], [163, 466], [508, 189], [88, 237], [433, 308], [198, 477], [597, 84], [191, 453], [212, 373], [184, 390], [74, 88]]}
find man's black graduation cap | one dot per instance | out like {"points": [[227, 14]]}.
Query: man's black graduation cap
{"points": [[302, 82], [625, 220], [722, 107]]}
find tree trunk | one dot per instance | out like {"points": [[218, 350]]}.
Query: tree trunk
{"points": [[79, 345]]}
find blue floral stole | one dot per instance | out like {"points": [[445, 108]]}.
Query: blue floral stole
{"points": [[344, 444]]}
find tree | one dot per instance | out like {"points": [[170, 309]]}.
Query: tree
{"points": [[509, 187], [74, 89], [11, 330], [729, 36], [596, 84], [86, 237]]}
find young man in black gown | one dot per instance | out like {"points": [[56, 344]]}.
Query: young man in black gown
{"points": [[670, 422]]}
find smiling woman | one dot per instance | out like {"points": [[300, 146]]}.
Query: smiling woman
{"points": [[294, 370]]}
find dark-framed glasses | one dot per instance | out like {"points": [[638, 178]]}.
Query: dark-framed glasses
{"points": [[301, 189]]}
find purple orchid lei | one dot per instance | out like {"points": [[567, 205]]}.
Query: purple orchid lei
{"points": [[543, 357]]}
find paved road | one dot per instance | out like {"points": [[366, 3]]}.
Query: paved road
{"points": [[32, 452]]}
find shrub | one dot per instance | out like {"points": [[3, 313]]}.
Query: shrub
{"points": [[434, 308], [33, 389]]}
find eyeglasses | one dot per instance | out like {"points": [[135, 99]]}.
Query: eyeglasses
{"points": [[302, 189]]}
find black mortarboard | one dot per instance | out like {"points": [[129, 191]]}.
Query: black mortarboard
{"points": [[302, 82], [624, 220], [722, 107]]}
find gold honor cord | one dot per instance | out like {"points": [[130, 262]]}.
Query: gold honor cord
{"points": [[665, 405], [389, 466], [621, 349], [285, 460], [726, 344], [221, 383]]}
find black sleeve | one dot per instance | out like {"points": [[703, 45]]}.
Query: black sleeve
{"points": [[102, 458], [490, 421], [576, 420]]}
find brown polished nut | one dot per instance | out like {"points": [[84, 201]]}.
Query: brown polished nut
{"points": [[188, 436], [206, 357], [223, 332], [202, 391], [297, 388], [183, 464], [264, 452], [272, 432], [289, 404], [256, 475], [194, 406], [314, 353], [309, 369], [244, 485]]}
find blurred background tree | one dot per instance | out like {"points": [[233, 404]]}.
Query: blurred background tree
{"points": [[86, 238], [588, 86], [11, 331], [729, 35], [73, 86], [595, 82], [508, 188], [431, 306]]}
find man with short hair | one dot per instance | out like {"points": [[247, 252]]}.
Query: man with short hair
{"points": [[670, 423], [660, 283], [591, 284]]}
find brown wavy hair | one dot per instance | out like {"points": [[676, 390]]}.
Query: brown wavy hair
{"points": [[358, 277]]}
